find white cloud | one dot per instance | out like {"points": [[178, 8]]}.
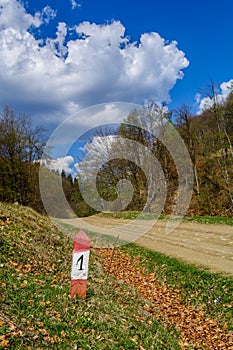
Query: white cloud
{"points": [[74, 4], [51, 80], [58, 45], [13, 15], [207, 102], [60, 164], [47, 14], [100, 146], [226, 88]]}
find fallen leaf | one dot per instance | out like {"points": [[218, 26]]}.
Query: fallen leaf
{"points": [[4, 343], [23, 285]]}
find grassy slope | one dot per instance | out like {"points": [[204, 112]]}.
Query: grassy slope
{"points": [[131, 215], [36, 311], [199, 287]]}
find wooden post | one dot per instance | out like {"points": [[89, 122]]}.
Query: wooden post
{"points": [[79, 271]]}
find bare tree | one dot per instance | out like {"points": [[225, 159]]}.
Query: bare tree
{"points": [[219, 137], [184, 123], [20, 145]]}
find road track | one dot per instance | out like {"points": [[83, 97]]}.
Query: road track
{"points": [[202, 244]]}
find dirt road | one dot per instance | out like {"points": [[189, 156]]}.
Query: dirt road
{"points": [[202, 244]]}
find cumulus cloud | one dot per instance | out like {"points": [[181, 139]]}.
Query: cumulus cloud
{"points": [[58, 45], [59, 164], [52, 79], [207, 102], [226, 88], [13, 15]]}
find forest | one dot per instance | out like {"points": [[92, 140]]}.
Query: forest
{"points": [[208, 137]]}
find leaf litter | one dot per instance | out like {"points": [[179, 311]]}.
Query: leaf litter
{"points": [[32, 278], [197, 330]]}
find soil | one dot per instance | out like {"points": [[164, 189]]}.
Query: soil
{"points": [[202, 244]]}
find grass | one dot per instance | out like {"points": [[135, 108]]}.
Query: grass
{"points": [[132, 215], [36, 311], [97, 239], [215, 220], [197, 285]]}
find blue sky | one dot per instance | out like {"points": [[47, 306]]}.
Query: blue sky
{"points": [[203, 30], [58, 57]]}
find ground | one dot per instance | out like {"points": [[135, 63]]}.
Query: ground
{"points": [[203, 244]]}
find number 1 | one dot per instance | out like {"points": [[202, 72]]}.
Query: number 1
{"points": [[81, 263]]}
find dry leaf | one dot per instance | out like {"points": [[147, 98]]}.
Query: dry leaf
{"points": [[4, 343], [194, 327]]}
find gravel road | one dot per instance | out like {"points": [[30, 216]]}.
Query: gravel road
{"points": [[203, 244]]}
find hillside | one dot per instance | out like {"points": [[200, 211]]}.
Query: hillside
{"points": [[128, 311]]}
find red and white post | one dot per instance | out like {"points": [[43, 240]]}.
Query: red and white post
{"points": [[79, 271]]}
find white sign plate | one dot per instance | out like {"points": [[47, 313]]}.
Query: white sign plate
{"points": [[80, 265]]}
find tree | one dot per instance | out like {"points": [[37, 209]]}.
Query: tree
{"points": [[185, 127], [19, 140], [21, 145], [220, 112], [134, 155], [152, 127]]}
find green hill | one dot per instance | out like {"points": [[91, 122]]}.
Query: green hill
{"points": [[36, 311]]}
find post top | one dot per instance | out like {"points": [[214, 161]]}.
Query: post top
{"points": [[81, 241]]}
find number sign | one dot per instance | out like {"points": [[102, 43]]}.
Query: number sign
{"points": [[80, 265], [79, 270]]}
